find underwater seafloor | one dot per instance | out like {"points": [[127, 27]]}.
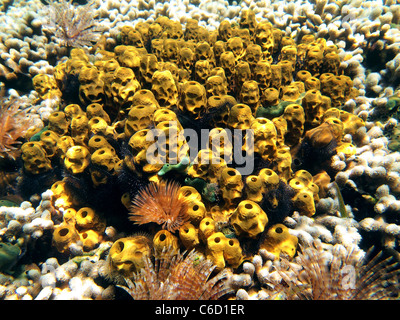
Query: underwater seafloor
{"points": [[85, 215]]}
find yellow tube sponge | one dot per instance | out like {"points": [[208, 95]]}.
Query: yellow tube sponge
{"points": [[189, 193], [46, 86], [233, 253], [63, 236], [240, 117], [77, 159], [269, 179], [64, 143], [105, 158], [97, 141], [216, 244], [189, 235], [58, 123], [283, 166], [50, 142], [207, 165], [351, 122], [278, 240], [254, 188], [61, 195], [139, 144], [231, 185], [90, 239], [265, 137], [347, 148], [126, 200], [87, 218], [304, 203], [139, 117], [196, 211], [69, 216], [73, 110], [307, 192], [35, 157], [123, 86], [206, 228], [80, 129], [91, 85], [127, 255], [295, 118], [97, 110], [248, 219], [163, 240]]}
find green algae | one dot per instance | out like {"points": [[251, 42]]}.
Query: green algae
{"points": [[181, 167], [9, 254], [36, 136], [393, 103], [208, 191], [8, 203], [277, 110]]}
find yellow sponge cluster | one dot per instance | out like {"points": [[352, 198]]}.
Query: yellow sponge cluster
{"points": [[83, 225]]}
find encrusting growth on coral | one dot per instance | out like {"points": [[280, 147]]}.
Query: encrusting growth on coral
{"points": [[178, 277], [160, 204]]}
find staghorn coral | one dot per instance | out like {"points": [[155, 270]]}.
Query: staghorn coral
{"points": [[160, 204], [178, 277], [339, 275], [73, 26], [14, 122]]}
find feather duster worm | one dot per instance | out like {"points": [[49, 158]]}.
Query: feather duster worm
{"points": [[14, 123], [73, 26], [160, 204], [345, 276], [178, 277]]}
